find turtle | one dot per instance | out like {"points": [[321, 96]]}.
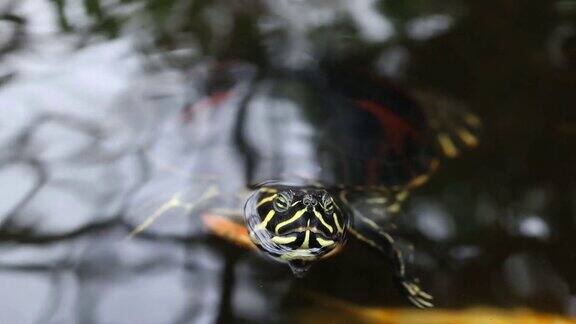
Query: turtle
{"points": [[294, 163]]}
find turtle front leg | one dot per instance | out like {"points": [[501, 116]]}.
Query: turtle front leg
{"points": [[370, 233], [174, 203]]}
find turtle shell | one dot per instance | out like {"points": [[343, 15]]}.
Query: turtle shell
{"points": [[335, 127], [332, 125]]}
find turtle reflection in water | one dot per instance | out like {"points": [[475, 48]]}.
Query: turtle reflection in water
{"points": [[327, 154]]}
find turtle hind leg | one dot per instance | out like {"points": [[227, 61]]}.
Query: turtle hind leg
{"points": [[455, 128], [369, 233]]}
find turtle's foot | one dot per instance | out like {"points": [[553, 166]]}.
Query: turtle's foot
{"points": [[416, 295]]}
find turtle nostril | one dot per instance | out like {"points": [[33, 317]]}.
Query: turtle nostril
{"points": [[309, 201]]}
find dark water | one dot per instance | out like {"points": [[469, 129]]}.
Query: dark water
{"points": [[87, 86]]}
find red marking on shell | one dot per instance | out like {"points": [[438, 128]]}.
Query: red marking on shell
{"points": [[396, 128]]}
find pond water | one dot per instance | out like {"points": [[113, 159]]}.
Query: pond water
{"points": [[90, 92]]}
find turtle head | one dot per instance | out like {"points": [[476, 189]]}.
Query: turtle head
{"points": [[296, 224]]}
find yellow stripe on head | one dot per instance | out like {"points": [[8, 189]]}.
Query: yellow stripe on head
{"points": [[306, 243], [338, 226], [265, 200], [323, 242], [319, 216], [296, 216], [283, 239], [267, 219], [304, 255]]}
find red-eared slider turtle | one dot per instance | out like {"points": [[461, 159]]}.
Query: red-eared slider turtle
{"points": [[297, 162]]}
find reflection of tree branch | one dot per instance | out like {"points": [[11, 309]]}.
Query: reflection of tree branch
{"points": [[150, 236], [105, 22], [29, 237], [26, 267], [61, 14], [41, 178], [14, 40]]}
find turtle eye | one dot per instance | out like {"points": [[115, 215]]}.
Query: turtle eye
{"points": [[282, 202], [328, 203]]}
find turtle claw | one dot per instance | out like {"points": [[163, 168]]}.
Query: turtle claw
{"points": [[416, 295]]}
